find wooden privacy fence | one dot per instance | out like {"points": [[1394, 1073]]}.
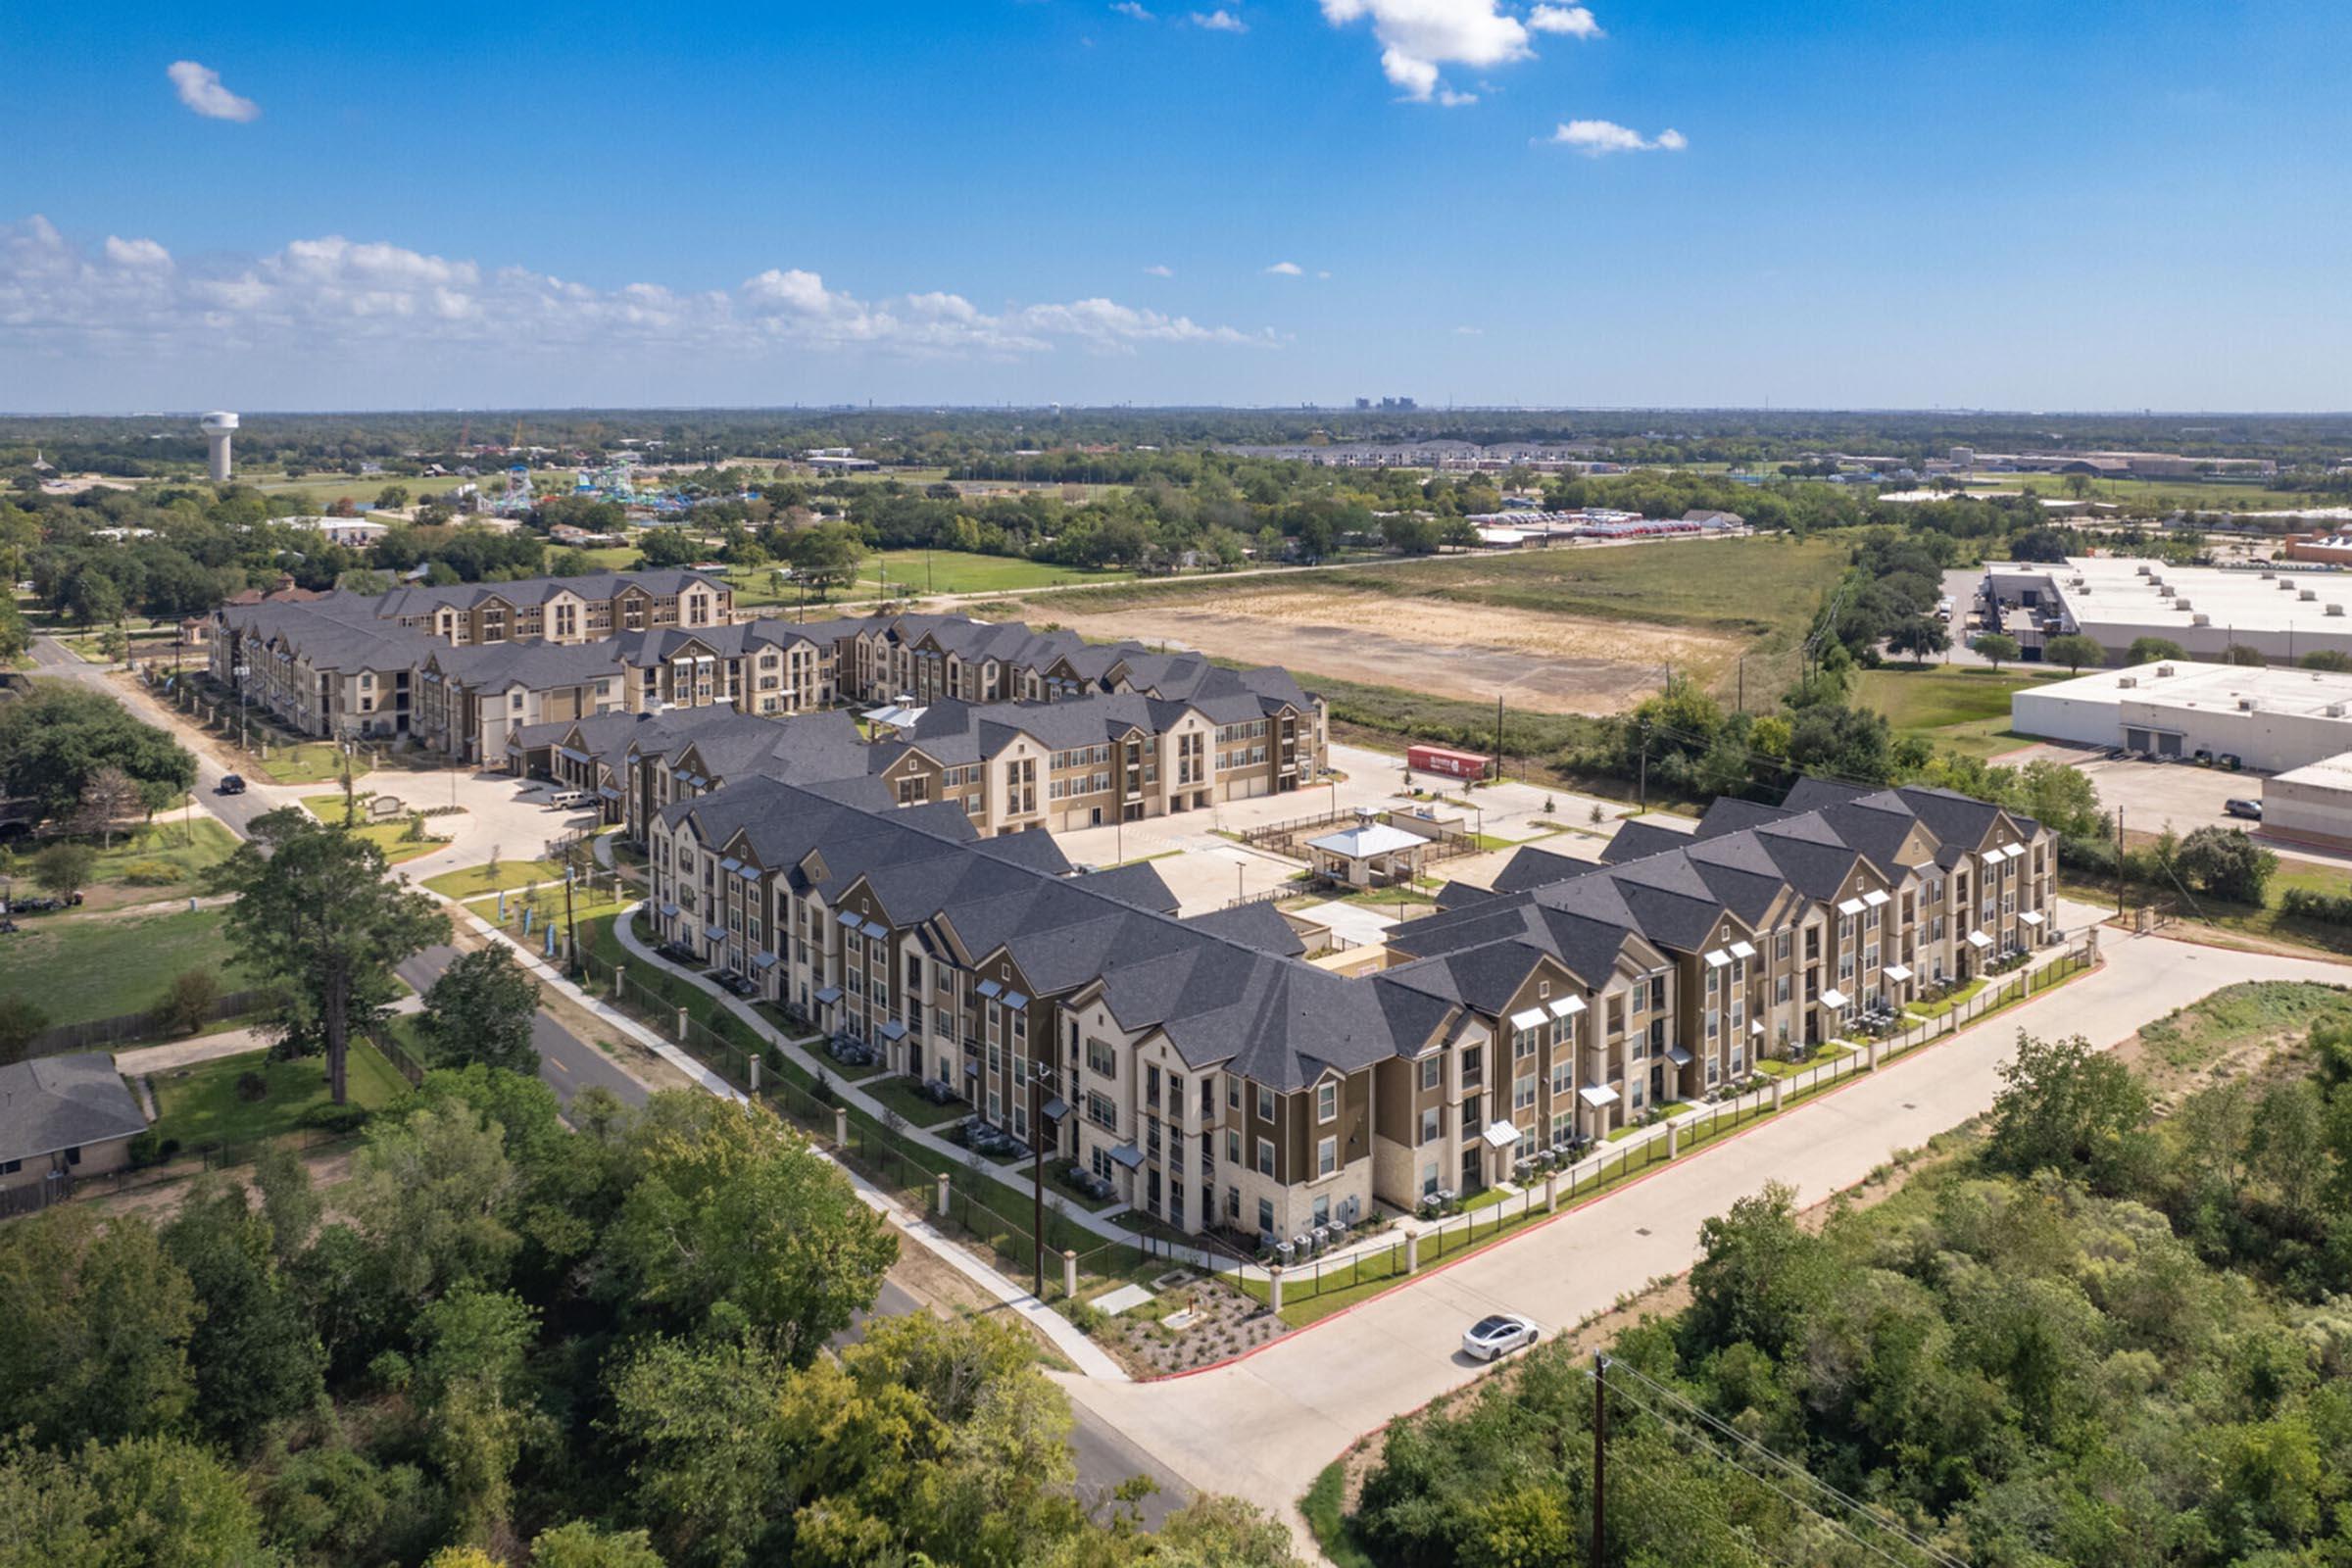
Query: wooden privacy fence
{"points": [[134, 1028]]}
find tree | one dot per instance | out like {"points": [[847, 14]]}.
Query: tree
{"points": [[2332, 660], [481, 1010], [2227, 863], [697, 1420], [114, 645], [2038, 544], [469, 1381], [1919, 636], [667, 547], [98, 1323], [290, 1205], [1994, 646], [2073, 650], [2067, 1108], [108, 795], [580, 1545], [254, 1353], [53, 739], [2153, 650], [145, 1500], [316, 916], [63, 869], [188, 1006], [15, 633], [734, 1215], [20, 1022], [392, 496], [826, 556], [2240, 654], [434, 1190], [1759, 1274]]}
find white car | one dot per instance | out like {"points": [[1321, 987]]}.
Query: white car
{"points": [[1505, 1331]]}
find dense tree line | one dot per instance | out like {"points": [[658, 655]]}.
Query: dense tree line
{"points": [[508, 1342], [57, 740], [2100, 1340]]}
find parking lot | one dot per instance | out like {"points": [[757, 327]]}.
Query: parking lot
{"points": [[2154, 796]]}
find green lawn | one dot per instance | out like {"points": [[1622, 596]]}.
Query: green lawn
{"points": [[201, 1106], [900, 1095], [937, 572], [1955, 708], [2203, 1032], [390, 837], [475, 881], [75, 968], [164, 854], [308, 763], [1945, 1004]]}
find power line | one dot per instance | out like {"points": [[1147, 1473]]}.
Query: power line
{"points": [[1766, 1481], [1789, 1466]]}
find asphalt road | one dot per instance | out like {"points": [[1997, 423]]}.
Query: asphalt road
{"points": [[566, 1063]]}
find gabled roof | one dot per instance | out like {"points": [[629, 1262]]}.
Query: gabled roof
{"points": [[57, 1103]]}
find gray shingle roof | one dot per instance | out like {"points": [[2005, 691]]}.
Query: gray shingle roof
{"points": [[53, 1102]]}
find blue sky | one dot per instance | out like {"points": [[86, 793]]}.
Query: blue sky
{"points": [[1863, 204]]}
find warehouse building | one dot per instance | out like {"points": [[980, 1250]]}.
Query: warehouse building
{"points": [[2311, 803], [2281, 612], [2270, 719]]}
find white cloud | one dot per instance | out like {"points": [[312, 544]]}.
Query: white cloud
{"points": [[1418, 38], [1597, 138], [1159, 269], [1128, 8], [1469, 331], [1286, 270], [336, 297], [1219, 21], [201, 90], [1574, 21]]}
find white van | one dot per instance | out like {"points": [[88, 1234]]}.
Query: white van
{"points": [[570, 800]]}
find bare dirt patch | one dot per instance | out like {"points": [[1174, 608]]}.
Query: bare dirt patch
{"points": [[1549, 663]]}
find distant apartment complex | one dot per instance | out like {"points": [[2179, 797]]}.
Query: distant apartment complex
{"points": [[1223, 1078]]}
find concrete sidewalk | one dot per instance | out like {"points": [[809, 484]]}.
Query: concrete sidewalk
{"points": [[1309, 1394]]}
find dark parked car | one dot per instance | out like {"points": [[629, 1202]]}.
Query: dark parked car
{"points": [[230, 784], [2251, 811]]}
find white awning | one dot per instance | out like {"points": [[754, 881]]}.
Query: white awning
{"points": [[1878, 895], [1991, 858], [1501, 1134], [1598, 1094], [2013, 850], [2028, 917], [1833, 998], [1717, 958], [1743, 950], [1897, 971], [1532, 1019], [1678, 1055], [1978, 938], [1755, 1026], [1567, 1006], [1851, 907]]}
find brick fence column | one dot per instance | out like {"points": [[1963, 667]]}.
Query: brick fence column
{"points": [[1412, 1252], [943, 1194], [1274, 1288]]}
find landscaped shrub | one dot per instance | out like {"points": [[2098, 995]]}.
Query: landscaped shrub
{"points": [[2334, 908], [150, 873], [188, 1006]]}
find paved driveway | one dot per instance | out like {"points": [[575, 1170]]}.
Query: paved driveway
{"points": [[1263, 1427]]}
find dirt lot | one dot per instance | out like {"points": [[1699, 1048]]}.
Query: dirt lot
{"points": [[1550, 662]]}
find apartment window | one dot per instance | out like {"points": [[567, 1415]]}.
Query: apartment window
{"points": [[1232, 1093], [1523, 1091], [1474, 1070], [1429, 1178], [1233, 1203], [1265, 1157], [1265, 1216], [1432, 1124], [1233, 1146], [1779, 947], [1266, 1103], [1327, 1103], [1433, 1072], [1327, 1157], [1525, 1042], [1563, 1079]]}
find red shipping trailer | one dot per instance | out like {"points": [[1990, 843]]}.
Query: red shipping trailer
{"points": [[1445, 761]]}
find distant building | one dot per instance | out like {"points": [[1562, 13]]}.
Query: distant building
{"points": [[64, 1116]]}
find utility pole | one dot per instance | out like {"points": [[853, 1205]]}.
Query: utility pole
{"points": [[1601, 1454], [571, 932], [1036, 1171], [1642, 804], [1499, 737], [2119, 863], [1742, 683]]}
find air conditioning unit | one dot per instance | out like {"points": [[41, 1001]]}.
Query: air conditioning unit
{"points": [[2165, 669], [2146, 571], [2248, 704], [2128, 681], [2331, 609], [2200, 621], [2307, 595], [2268, 575], [2179, 604], [2334, 711]]}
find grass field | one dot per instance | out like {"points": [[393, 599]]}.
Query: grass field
{"points": [[320, 489], [1963, 709], [201, 1106], [163, 855], [309, 762], [75, 968], [475, 881], [2153, 494], [923, 572]]}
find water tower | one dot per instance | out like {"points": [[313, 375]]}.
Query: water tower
{"points": [[218, 428]]}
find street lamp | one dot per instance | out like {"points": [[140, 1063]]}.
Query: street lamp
{"points": [[1039, 1072], [241, 671]]}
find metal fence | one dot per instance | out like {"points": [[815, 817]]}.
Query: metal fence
{"points": [[1636, 1150]]}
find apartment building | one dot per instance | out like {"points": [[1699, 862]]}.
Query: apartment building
{"points": [[1221, 1079], [559, 609], [1083, 761]]}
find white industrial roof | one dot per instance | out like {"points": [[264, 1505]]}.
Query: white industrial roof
{"points": [[2329, 772], [2182, 683], [2124, 590]]}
